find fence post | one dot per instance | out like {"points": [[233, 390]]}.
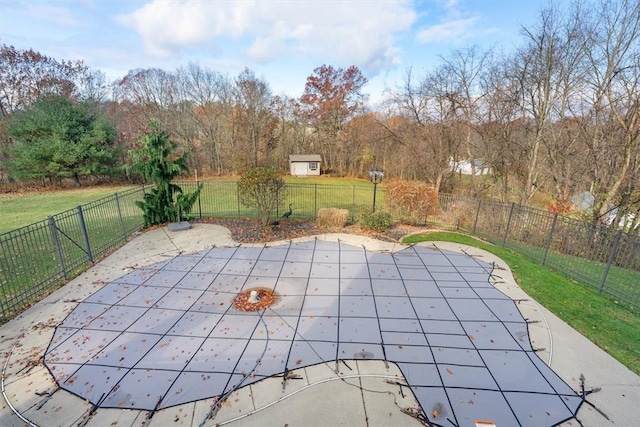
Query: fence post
{"points": [[85, 234], [315, 201], [610, 261], [199, 195], [124, 233], [353, 203], [506, 230], [238, 198], [56, 243], [548, 242], [475, 222]]}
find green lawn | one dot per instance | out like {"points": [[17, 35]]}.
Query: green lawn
{"points": [[219, 198], [20, 209], [607, 323], [38, 257], [33, 264], [327, 180], [620, 282]]}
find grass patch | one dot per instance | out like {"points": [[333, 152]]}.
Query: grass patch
{"points": [[610, 325], [20, 209], [36, 255], [219, 198], [37, 258], [326, 180]]}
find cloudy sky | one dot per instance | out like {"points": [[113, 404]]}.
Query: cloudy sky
{"points": [[280, 41]]}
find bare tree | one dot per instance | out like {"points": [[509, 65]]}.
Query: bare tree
{"points": [[543, 68], [564, 160], [252, 101], [611, 100], [153, 92], [498, 121], [26, 75], [462, 69], [435, 134], [211, 95], [93, 88]]}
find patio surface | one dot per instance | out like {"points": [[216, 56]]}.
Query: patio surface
{"points": [[363, 333]]}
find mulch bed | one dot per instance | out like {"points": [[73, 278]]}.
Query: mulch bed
{"points": [[252, 231], [267, 297]]}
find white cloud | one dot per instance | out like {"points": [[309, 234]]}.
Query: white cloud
{"points": [[167, 26], [348, 32], [448, 31]]}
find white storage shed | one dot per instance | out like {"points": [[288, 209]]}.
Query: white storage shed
{"points": [[304, 164]]}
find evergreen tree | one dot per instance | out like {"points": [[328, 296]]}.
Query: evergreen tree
{"points": [[57, 138], [156, 162]]}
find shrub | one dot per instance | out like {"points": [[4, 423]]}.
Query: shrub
{"points": [[332, 217], [263, 190], [561, 207], [376, 221], [411, 201], [459, 213]]}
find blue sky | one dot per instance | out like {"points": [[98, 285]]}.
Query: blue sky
{"points": [[280, 41]]}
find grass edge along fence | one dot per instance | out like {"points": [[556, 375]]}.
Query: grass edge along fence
{"points": [[603, 257], [220, 199], [37, 258]]}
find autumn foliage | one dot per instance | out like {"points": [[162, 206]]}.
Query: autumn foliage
{"points": [[262, 189], [411, 201], [333, 94], [560, 207]]}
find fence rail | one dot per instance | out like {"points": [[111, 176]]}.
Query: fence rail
{"points": [[604, 258], [39, 257]]}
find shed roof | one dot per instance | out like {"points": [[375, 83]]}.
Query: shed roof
{"points": [[304, 157]]}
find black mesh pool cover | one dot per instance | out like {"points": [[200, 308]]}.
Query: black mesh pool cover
{"points": [[167, 334]]}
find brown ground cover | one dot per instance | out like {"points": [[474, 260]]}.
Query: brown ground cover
{"points": [[252, 231]]}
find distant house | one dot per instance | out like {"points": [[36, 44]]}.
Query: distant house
{"points": [[585, 202], [304, 164], [464, 167]]}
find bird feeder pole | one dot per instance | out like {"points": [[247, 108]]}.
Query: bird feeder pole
{"points": [[376, 178]]}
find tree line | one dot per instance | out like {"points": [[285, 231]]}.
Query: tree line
{"points": [[557, 115]]}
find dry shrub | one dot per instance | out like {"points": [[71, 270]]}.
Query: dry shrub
{"points": [[458, 214], [332, 217], [411, 201]]}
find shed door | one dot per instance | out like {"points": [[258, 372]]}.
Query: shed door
{"points": [[299, 168]]}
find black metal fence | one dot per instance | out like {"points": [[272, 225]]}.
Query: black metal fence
{"points": [[220, 199], [605, 258], [36, 259], [39, 257]]}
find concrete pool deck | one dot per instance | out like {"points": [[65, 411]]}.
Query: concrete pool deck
{"points": [[358, 396]]}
